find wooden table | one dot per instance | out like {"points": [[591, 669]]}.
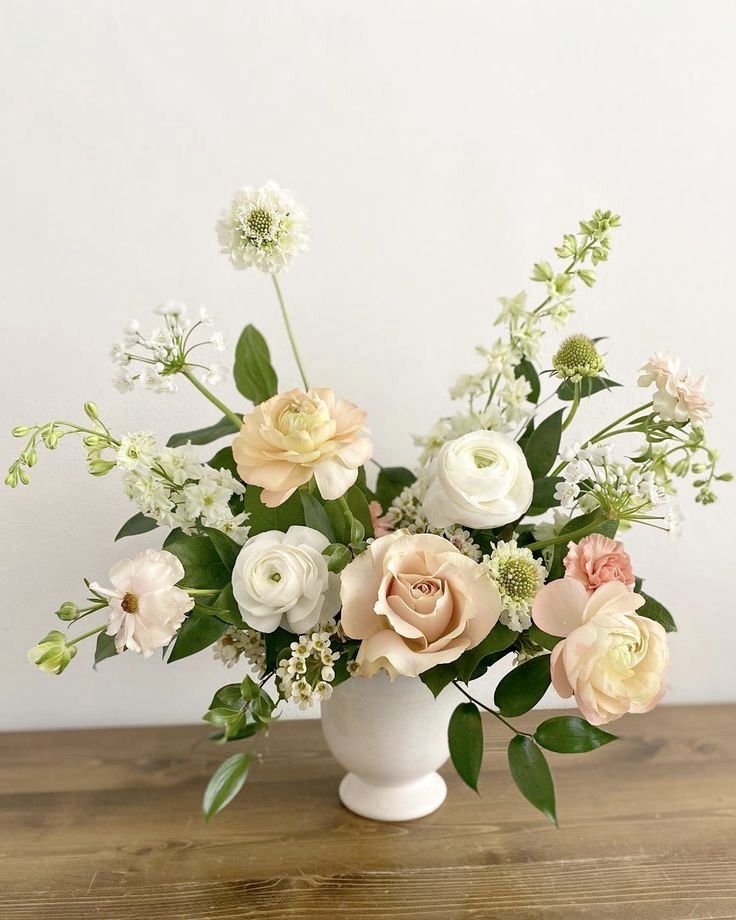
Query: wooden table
{"points": [[106, 823]]}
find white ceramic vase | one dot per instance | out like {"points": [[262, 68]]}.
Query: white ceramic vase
{"points": [[392, 739]]}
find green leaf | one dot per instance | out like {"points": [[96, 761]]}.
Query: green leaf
{"points": [[254, 376], [263, 518], [542, 638], [589, 386], [655, 611], [225, 607], [226, 783], [277, 642], [521, 689], [139, 523], [203, 565], [465, 737], [499, 638], [358, 505], [198, 631], [173, 536], [224, 460], [225, 547], [571, 735], [526, 369], [544, 444], [391, 481], [315, 515], [338, 556], [438, 677], [531, 774], [544, 495], [104, 648], [214, 432], [227, 697]]}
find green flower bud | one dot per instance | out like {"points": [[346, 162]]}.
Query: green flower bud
{"points": [[20, 431], [12, 478], [52, 654], [99, 467], [68, 612], [90, 410], [577, 357], [725, 477]]}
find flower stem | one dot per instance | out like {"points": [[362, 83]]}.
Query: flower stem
{"points": [[92, 632], [566, 537], [289, 330], [574, 406], [197, 384], [493, 712]]}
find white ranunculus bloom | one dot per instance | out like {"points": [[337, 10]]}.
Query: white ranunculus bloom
{"points": [[146, 609], [281, 579], [481, 480]]}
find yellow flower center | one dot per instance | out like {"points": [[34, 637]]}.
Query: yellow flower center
{"points": [[129, 603]]}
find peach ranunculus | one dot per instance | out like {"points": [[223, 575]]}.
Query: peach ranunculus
{"points": [[596, 560], [611, 659], [294, 436], [416, 601]]}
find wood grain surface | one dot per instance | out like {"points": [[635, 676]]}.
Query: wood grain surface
{"points": [[106, 823]]}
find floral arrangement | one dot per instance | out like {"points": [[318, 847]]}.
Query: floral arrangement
{"points": [[291, 556]]}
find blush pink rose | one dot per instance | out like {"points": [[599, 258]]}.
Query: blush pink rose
{"points": [[415, 601], [611, 659], [596, 560], [295, 436], [381, 524]]}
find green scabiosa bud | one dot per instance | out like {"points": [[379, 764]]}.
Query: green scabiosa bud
{"points": [[52, 654], [577, 357]]}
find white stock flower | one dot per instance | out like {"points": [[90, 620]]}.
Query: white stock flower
{"points": [[481, 480], [146, 607], [263, 228], [281, 579]]}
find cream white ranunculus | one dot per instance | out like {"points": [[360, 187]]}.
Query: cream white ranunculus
{"points": [[146, 607], [481, 480], [281, 579]]}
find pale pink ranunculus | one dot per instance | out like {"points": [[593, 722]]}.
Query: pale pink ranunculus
{"points": [[415, 601], [596, 560], [146, 607], [294, 436], [611, 659], [679, 396], [381, 523]]}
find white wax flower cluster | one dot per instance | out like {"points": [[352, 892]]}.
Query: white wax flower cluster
{"points": [[306, 676], [235, 644], [171, 486]]}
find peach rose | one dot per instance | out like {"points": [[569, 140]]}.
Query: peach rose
{"points": [[296, 435], [415, 601], [612, 660], [596, 560]]}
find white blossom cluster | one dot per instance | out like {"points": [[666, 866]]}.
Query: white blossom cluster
{"points": [[306, 676], [171, 486], [246, 643], [405, 513], [591, 476], [153, 361]]}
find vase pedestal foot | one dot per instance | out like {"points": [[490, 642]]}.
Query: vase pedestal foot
{"points": [[403, 802]]}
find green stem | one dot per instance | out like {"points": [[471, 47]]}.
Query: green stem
{"points": [[493, 712], [604, 431], [197, 384], [564, 538], [574, 406], [92, 632], [198, 591], [289, 330]]}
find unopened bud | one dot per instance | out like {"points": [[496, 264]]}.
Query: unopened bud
{"points": [[52, 654], [90, 410], [68, 612], [20, 431], [100, 467]]}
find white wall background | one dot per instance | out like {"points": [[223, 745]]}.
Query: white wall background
{"points": [[439, 149]]}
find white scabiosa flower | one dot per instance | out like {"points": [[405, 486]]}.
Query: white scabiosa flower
{"points": [[146, 607], [263, 228], [518, 577], [281, 579]]}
